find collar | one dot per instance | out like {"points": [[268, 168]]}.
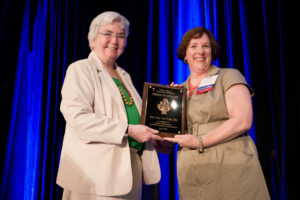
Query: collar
{"points": [[213, 70], [94, 60]]}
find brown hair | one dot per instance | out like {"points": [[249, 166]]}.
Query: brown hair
{"points": [[197, 33]]}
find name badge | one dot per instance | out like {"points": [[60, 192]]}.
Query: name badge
{"points": [[207, 84]]}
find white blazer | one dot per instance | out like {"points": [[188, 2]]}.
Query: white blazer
{"points": [[95, 156]]}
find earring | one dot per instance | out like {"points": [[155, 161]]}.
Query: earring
{"points": [[185, 61]]}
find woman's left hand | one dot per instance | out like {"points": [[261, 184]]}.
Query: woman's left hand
{"points": [[186, 140]]}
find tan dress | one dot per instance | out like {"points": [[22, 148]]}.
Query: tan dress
{"points": [[230, 170]]}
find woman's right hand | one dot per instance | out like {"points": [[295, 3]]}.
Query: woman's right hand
{"points": [[175, 85], [142, 133]]}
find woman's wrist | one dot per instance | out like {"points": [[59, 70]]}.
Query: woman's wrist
{"points": [[200, 145]]}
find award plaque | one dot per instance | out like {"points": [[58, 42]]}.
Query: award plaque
{"points": [[164, 109]]}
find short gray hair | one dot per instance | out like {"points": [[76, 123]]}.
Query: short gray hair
{"points": [[105, 18]]}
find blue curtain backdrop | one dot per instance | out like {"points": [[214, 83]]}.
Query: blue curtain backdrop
{"points": [[40, 38]]}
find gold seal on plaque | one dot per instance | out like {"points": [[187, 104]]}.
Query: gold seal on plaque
{"points": [[164, 106]]}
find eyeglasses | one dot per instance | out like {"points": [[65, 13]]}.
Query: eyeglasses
{"points": [[110, 35]]}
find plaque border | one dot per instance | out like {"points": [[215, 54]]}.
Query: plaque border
{"points": [[145, 102]]}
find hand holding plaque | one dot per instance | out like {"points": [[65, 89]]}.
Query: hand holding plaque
{"points": [[164, 109]]}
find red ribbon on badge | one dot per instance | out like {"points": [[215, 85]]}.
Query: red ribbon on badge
{"points": [[204, 89]]}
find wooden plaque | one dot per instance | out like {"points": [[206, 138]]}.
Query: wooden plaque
{"points": [[164, 109]]}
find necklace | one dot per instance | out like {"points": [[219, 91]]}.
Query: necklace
{"points": [[192, 88], [122, 93]]}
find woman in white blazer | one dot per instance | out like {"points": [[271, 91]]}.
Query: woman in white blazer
{"points": [[106, 153]]}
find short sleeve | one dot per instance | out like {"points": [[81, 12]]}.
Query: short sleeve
{"points": [[232, 77]]}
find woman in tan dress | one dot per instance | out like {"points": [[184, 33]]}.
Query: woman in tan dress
{"points": [[217, 159]]}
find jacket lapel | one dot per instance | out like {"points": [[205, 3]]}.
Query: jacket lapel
{"points": [[106, 80], [126, 79]]}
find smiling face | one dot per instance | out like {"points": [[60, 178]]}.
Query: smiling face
{"points": [[109, 43], [199, 54]]}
